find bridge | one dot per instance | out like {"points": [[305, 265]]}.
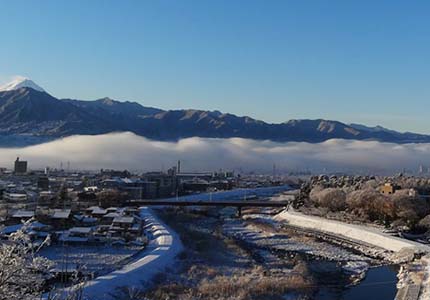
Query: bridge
{"points": [[239, 204]]}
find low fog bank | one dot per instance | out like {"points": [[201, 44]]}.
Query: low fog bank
{"points": [[128, 151]]}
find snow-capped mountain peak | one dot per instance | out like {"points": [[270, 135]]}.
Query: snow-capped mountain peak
{"points": [[20, 82]]}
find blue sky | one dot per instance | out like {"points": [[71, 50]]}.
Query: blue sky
{"points": [[354, 61]]}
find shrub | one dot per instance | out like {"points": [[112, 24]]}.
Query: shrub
{"points": [[331, 198], [371, 205], [409, 209]]}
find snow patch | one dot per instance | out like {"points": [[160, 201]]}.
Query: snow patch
{"points": [[350, 231], [21, 82]]}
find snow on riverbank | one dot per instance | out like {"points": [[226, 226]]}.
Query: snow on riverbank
{"points": [[359, 233], [263, 232], [252, 230], [425, 291], [162, 250], [416, 273]]}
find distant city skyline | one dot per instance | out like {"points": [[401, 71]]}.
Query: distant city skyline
{"points": [[364, 62]]}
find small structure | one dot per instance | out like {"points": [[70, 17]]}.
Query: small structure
{"points": [[91, 189], [130, 211], [20, 166], [77, 235], [15, 197], [413, 193], [34, 229], [46, 198], [43, 183], [84, 220], [122, 223], [96, 212], [22, 215], [60, 218], [109, 217], [63, 214], [389, 189]]}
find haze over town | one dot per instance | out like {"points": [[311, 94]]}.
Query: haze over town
{"points": [[124, 150]]}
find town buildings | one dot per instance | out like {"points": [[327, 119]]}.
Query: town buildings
{"points": [[20, 166]]}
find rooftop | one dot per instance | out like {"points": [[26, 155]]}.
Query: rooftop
{"points": [[124, 220], [61, 214]]}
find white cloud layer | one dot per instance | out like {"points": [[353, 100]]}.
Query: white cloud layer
{"points": [[128, 151]]}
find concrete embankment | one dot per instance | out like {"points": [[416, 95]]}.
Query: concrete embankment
{"points": [[357, 233], [414, 282]]}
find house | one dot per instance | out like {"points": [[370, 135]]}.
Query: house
{"points": [[122, 223], [77, 235], [22, 215], [96, 212], [130, 211], [46, 198], [63, 214], [60, 218], [43, 183], [39, 230], [84, 220], [389, 188], [122, 228], [109, 217], [112, 209], [34, 229]]}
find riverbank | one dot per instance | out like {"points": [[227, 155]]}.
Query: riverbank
{"points": [[358, 233], [415, 271]]}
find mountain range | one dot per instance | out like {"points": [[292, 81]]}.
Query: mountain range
{"points": [[29, 115]]}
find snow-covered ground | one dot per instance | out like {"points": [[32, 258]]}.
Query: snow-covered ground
{"points": [[265, 233], [365, 234], [161, 252], [272, 238], [425, 291], [99, 259]]}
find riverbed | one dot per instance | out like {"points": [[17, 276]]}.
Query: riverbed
{"points": [[213, 254], [227, 257]]}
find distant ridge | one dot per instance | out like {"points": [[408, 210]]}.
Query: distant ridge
{"points": [[27, 111]]}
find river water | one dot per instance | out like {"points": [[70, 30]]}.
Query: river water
{"points": [[379, 284]]}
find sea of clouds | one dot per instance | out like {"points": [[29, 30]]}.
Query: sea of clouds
{"points": [[132, 152]]}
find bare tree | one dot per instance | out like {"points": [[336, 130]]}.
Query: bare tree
{"points": [[22, 272]]}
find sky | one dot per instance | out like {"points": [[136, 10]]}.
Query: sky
{"points": [[354, 61]]}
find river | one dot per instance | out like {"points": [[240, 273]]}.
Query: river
{"points": [[204, 232]]}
